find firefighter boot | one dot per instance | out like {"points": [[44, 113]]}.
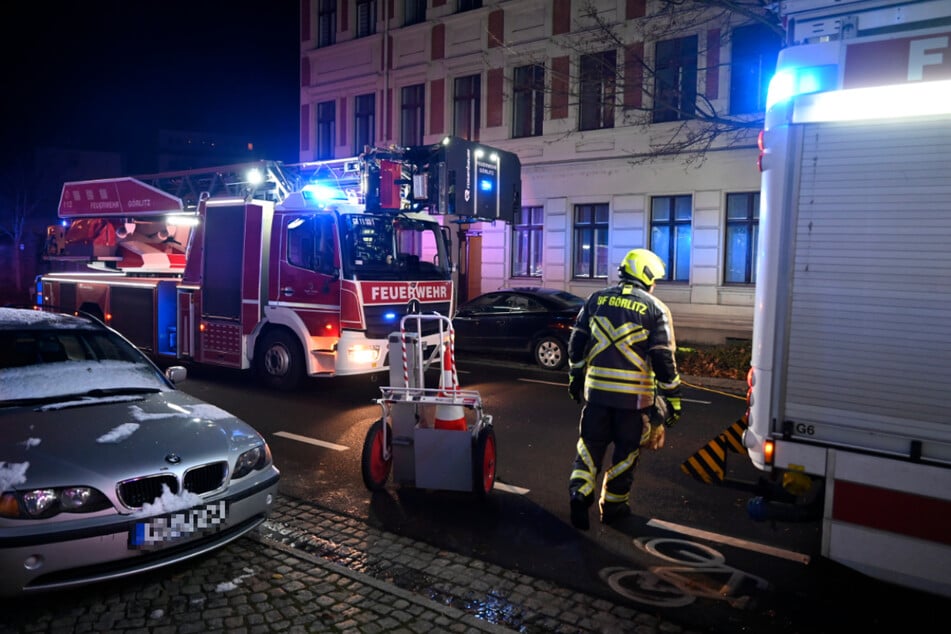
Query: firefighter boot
{"points": [[579, 512], [613, 511]]}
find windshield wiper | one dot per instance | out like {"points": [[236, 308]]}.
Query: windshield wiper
{"points": [[81, 398], [119, 391]]}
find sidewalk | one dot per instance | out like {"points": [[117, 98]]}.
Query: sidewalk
{"points": [[308, 569]]}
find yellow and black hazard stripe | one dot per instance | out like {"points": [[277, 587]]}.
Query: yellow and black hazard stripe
{"points": [[709, 463]]}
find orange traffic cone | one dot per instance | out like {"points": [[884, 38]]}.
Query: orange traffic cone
{"points": [[449, 416]]}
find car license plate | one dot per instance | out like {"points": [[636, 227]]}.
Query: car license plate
{"points": [[166, 529]]}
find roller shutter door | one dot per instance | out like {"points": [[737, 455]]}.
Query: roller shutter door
{"points": [[869, 343]]}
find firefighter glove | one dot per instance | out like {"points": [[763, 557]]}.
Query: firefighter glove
{"points": [[673, 410], [576, 384]]}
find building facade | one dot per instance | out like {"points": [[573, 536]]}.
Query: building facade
{"points": [[596, 97]]}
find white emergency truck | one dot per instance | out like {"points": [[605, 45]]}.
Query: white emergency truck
{"points": [[851, 361]]}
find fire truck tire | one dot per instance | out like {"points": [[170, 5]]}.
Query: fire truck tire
{"points": [[483, 463], [374, 468], [279, 361], [550, 353]]}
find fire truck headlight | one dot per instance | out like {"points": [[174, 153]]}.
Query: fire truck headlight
{"points": [[362, 353]]}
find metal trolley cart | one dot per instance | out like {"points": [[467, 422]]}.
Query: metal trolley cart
{"points": [[430, 438]]}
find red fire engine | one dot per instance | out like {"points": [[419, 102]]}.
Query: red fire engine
{"points": [[286, 270]]}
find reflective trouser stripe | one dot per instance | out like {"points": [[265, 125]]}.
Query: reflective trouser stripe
{"points": [[620, 469], [588, 474]]}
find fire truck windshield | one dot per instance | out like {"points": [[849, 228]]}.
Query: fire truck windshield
{"points": [[387, 247]]}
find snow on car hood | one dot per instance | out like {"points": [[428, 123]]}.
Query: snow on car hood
{"points": [[74, 377], [103, 441]]}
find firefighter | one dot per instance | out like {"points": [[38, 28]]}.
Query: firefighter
{"points": [[621, 355]]}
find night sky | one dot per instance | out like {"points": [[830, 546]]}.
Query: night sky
{"points": [[108, 75]]}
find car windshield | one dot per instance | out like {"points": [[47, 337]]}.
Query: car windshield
{"points": [[382, 247], [42, 363]]}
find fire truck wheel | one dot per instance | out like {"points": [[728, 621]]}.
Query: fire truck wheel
{"points": [[483, 463], [376, 469], [550, 353], [279, 361]]}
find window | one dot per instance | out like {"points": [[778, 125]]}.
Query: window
{"points": [[590, 241], [528, 103], [671, 234], [310, 243], [675, 80], [468, 5], [363, 122], [527, 234], [326, 129], [326, 22], [753, 62], [411, 114], [414, 12], [366, 17], [598, 74], [466, 113], [742, 235]]}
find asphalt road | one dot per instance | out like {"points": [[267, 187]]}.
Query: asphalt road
{"points": [[697, 539]]}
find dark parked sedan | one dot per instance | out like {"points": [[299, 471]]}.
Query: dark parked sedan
{"points": [[532, 320]]}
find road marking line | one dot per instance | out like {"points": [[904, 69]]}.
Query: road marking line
{"points": [[559, 384], [731, 541], [510, 488], [311, 441]]}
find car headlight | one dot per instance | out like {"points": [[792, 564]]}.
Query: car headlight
{"points": [[252, 460], [43, 503]]}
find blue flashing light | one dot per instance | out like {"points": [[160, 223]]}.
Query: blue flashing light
{"points": [[792, 82], [389, 316], [64, 223], [322, 194]]}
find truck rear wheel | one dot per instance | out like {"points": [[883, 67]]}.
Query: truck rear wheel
{"points": [[279, 361]]}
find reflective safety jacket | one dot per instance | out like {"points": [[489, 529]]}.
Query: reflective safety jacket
{"points": [[623, 338]]}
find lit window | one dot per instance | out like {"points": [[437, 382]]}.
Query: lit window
{"points": [[671, 234], [742, 234], [590, 257]]}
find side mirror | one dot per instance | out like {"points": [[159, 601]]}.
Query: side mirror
{"points": [[176, 373]]}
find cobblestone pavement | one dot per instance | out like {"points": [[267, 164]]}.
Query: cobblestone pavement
{"points": [[308, 569]]}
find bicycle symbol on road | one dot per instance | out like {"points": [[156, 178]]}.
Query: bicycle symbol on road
{"points": [[700, 572]]}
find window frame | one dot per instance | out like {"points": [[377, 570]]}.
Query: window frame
{"points": [[468, 5], [590, 229], [753, 53], [365, 15], [750, 238], [326, 128], [467, 106], [528, 241], [414, 12], [412, 114], [364, 122], [528, 100], [675, 99], [326, 19], [668, 234], [597, 90]]}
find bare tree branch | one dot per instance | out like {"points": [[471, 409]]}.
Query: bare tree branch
{"points": [[678, 123]]}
